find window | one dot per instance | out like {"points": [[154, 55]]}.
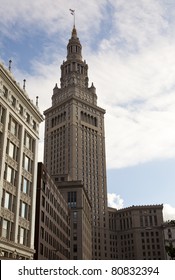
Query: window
{"points": [[7, 200], [155, 220], [41, 248], [27, 118], [5, 225], [5, 91], [75, 248], [25, 186], [23, 213], [42, 232], [21, 235], [42, 216], [27, 163], [2, 114], [28, 141], [72, 199], [13, 101], [12, 150], [75, 215], [10, 175], [43, 201], [14, 127], [34, 125], [21, 110]]}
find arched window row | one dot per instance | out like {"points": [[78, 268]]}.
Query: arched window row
{"points": [[58, 119], [88, 118], [74, 67], [74, 49]]}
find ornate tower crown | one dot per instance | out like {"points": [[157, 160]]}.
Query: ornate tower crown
{"points": [[74, 47]]}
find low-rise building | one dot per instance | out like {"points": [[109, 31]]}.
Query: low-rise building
{"points": [[136, 233]]}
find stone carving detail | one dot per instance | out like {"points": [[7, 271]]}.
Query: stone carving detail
{"points": [[5, 213], [24, 223], [13, 138], [26, 198], [10, 188], [28, 153]]}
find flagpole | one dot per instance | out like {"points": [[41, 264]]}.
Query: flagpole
{"points": [[72, 13], [74, 17]]}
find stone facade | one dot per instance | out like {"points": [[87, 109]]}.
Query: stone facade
{"points": [[75, 140], [136, 233], [19, 134]]}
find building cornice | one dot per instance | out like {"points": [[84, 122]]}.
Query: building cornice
{"points": [[70, 98], [22, 94]]}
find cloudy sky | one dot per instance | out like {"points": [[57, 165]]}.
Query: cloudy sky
{"points": [[129, 46]]}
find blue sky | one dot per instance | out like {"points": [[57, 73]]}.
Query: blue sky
{"points": [[130, 49]]}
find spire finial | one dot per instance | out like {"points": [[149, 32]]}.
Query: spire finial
{"points": [[10, 64], [24, 84], [37, 101]]}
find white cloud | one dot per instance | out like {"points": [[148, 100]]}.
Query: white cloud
{"points": [[139, 95], [115, 201], [139, 22], [49, 15], [168, 212]]}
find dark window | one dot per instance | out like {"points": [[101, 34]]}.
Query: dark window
{"points": [[72, 199]]}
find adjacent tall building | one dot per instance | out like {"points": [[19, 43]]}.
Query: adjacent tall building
{"points": [[19, 133], [75, 140]]}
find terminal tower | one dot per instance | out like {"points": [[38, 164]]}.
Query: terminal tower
{"points": [[75, 141]]}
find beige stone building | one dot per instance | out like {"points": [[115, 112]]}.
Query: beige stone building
{"points": [[136, 233], [19, 133], [75, 140]]}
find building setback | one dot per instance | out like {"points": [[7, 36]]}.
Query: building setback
{"points": [[80, 219], [52, 227], [136, 233], [74, 147], [19, 133]]}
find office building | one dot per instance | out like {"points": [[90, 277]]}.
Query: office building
{"points": [[19, 134]]}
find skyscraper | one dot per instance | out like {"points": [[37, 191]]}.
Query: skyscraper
{"points": [[75, 140]]}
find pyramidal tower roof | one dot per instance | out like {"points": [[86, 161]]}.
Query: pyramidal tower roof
{"points": [[74, 48]]}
